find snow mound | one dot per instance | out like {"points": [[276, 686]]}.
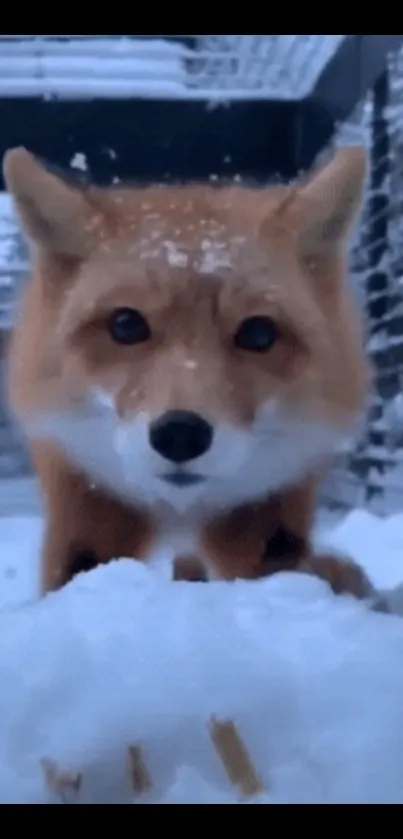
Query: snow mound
{"points": [[374, 543], [124, 658]]}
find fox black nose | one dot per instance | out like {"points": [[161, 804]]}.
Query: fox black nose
{"points": [[180, 436]]}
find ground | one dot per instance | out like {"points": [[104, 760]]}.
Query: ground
{"points": [[123, 659]]}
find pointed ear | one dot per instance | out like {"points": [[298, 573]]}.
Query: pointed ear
{"points": [[329, 204], [55, 216]]}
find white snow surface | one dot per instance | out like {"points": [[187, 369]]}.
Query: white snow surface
{"points": [[124, 657]]}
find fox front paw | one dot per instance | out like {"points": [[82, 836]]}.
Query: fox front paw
{"points": [[342, 574]]}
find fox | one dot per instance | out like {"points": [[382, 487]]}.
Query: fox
{"points": [[186, 364]]}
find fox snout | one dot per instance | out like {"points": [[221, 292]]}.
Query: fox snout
{"points": [[181, 436]]}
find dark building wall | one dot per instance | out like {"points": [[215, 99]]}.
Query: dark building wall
{"points": [[146, 140]]}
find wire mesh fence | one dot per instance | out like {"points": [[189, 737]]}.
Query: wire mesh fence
{"points": [[372, 475]]}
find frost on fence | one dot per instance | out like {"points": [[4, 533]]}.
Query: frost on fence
{"points": [[374, 472], [13, 268], [13, 260], [280, 66]]}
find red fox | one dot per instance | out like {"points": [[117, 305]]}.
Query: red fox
{"points": [[187, 362]]}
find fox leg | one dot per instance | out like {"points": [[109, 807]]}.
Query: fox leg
{"points": [[86, 533], [296, 513], [276, 535], [343, 575], [84, 527], [260, 539]]}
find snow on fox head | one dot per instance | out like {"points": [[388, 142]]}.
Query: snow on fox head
{"points": [[190, 344]]}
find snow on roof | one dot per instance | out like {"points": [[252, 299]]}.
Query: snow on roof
{"points": [[239, 66]]}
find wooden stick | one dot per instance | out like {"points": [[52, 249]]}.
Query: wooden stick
{"points": [[139, 774], [225, 738], [61, 783], [235, 757]]}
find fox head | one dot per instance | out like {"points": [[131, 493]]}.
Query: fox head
{"points": [[191, 344]]}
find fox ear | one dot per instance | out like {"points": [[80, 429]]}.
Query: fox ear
{"points": [[55, 216], [330, 202]]}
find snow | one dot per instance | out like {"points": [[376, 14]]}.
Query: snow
{"points": [[238, 66], [124, 658]]}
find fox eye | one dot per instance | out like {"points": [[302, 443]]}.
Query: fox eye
{"points": [[256, 334], [127, 326]]}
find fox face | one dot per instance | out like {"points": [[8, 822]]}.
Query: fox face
{"points": [[193, 346]]}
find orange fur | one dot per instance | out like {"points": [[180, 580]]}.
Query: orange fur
{"points": [[196, 261]]}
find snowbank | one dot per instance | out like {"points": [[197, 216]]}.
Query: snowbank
{"points": [[123, 658], [375, 543]]}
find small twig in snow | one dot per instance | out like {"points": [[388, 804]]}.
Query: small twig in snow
{"points": [[62, 784], [235, 757], [139, 774]]}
